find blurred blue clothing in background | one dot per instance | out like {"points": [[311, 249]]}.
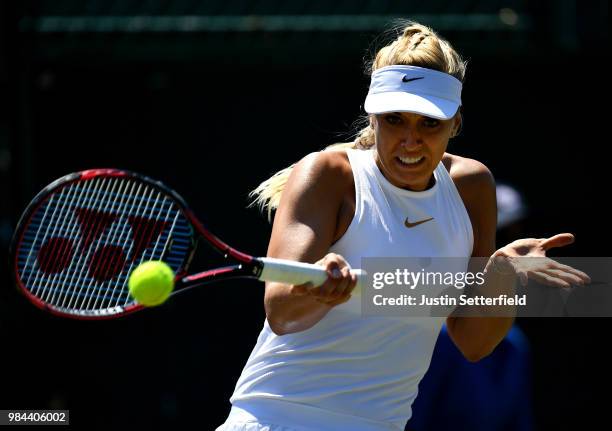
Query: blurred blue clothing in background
{"points": [[493, 394]]}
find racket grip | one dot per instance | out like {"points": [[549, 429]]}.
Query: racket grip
{"points": [[291, 272]]}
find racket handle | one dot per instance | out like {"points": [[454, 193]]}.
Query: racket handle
{"points": [[291, 272]]}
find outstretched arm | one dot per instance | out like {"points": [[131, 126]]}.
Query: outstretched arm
{"points": [[476, 337]]}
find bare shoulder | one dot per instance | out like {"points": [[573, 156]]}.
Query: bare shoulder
{"points": [[329, 170], [471, 177], [325, 162], [306, 221], [321, 186], [318, 180], [476, 186]]}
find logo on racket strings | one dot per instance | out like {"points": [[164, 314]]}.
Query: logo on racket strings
{"points": [[104, 260]]}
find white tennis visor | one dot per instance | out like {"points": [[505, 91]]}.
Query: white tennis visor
{"points": [[415, 89]]}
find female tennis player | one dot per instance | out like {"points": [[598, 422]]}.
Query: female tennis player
{"points": [[319, 364]]}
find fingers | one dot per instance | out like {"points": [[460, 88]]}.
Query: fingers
{"points": [[559, 240], [523, 277], [568, 276], [300, 289], [581, 275], [548, 279], [549, 272], [342, 291], [339, 284], [543, 270]]}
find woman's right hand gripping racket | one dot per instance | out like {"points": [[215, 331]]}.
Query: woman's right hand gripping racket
{"points": [[80, 238]]}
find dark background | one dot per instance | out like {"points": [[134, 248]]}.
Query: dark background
{"points": [[212, 97]]}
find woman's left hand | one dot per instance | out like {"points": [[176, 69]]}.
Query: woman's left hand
{"points": [[527, 259]]}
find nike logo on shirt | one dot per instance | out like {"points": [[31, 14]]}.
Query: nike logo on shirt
{"points": [[411, 225]]}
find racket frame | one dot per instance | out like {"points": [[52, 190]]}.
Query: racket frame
{"points": [[247, 266]]}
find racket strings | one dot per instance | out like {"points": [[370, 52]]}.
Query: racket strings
{"points": [[83, 242], [108, 261], [90, 223], [114, 257], [136, 244], [144, 231], [72, 284], [67, 285], [31, 256], [57, 226], [101, 258]]}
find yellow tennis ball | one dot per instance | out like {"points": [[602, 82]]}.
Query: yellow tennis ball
{"points": [[151, 283]]}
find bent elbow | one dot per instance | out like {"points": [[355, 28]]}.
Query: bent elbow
{"points": [[473, 357], [281, 324], [277, 321], [279, 328], [476, 356]]}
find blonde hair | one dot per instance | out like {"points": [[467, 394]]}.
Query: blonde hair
{"points": [[414, 44]]}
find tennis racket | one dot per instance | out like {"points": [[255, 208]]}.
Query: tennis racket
{"points": [[80, 238]]}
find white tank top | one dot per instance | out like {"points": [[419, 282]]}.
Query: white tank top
{"points": [[354, 372]]}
